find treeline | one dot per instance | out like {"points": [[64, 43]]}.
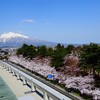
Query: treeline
{"points": [[56, 54]]}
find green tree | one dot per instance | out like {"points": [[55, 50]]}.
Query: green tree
{"points": [[69, 48], [58, 55], [50, 52], [57, 59], [42, 51], [27, 51], [19, 51], [31, 52], [90, 57]]}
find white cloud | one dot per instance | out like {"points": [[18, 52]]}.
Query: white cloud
{"points": [[29, 21]]}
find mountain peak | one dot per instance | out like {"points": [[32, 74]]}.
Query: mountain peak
{"points": [[10, 35], [12, 39]]}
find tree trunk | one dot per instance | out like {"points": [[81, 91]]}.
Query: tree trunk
{"points": [[93, 71]]}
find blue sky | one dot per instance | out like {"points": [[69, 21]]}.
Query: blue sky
{"points": [[63, 21]]}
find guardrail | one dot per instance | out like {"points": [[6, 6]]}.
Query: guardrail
{"points": [[49, 91]]}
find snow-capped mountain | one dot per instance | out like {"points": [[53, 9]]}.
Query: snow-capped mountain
{"points": [[8, 36], [12, 39]]}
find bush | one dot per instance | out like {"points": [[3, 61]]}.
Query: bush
{"points": [[86, 96], [96, 80], [82, 73], [72, 90], [67, 89]]}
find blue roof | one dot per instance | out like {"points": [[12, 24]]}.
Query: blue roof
{"points": [[49, 76]]}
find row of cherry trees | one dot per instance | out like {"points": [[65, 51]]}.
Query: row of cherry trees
{"points": [[89, 55]]}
